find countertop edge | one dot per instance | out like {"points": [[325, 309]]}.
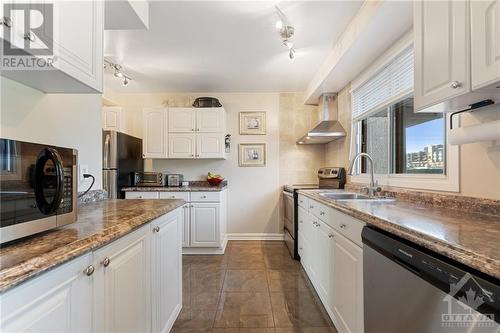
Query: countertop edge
{"points": [[466, 257], [175, 189], [36, 266]]}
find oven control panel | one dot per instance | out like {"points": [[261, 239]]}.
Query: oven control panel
{"points": [[331, 173]]}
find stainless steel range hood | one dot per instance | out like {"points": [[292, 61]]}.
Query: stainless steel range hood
{"points": [[329, 128]]}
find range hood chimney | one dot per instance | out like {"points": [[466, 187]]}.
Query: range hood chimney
{"points": [[329, 128]]}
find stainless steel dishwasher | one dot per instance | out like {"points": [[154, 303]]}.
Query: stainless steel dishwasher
{"points": [[410, 289]]}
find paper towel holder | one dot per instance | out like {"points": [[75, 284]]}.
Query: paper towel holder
{"points": [[472, 107]]}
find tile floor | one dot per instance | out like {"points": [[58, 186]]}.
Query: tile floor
{"points": [[254, 287]]}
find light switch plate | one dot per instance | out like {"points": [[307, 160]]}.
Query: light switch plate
{"points": [[82, 169]]}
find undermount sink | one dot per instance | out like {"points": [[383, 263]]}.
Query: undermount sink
{"points": [[344, 196], [351, 196]]}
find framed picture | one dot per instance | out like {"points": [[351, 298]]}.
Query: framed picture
{"points": [[252, 154], [252, 123]]}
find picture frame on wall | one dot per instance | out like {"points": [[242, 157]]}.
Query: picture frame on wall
{"points": [[252, 123], [252, 154]]}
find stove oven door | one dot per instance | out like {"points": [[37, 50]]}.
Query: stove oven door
{"points": [[289, 219]]}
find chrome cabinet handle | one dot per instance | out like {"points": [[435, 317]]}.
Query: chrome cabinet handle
{"points": [[203, 196], [456, 84], [311, 207], [321, 213], [143, 155], [106, 262], [330, 236], [317, 224], [197, 155], [300, 221], [192, 129], [156, 229], [192, 155], [139, 197], [300, 248], [343, 226], [173, 196], [89, 270]]}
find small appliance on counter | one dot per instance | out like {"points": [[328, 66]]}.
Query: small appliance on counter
{"points": [[174, 180], [38, 188], [329, 178], [149, 179]]}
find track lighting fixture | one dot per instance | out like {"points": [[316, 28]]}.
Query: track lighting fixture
{"points": [[286, 32], [117, 71]]}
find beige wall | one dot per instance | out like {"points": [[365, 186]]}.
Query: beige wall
{"points": [[68, 120], [479, 162], [298, 163], [253, 193]]}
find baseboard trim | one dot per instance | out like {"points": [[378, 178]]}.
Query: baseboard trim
{"points": [[251, 236]]}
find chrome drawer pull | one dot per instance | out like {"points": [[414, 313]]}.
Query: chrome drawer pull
{"points": [[343, 226]]}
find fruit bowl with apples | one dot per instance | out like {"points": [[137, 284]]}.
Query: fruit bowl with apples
{"points": [[214, 179]]}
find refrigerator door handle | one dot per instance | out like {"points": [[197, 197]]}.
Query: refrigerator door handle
{"points": [[105, 159]]}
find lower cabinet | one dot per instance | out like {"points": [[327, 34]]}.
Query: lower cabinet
{"points": [[122, 284], [331, 254], [205, 224], [58, 301], [133, 284]]}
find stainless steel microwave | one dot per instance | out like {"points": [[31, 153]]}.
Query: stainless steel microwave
{"points": [[38, 188]]}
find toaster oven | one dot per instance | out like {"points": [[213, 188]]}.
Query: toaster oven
{"points": [[149, 179]]}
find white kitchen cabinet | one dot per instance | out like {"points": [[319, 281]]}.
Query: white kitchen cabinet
{"points": [[141, 195], [186, 228], [77, 41], [181, 120], [154, 142], [122, 282], [348, 284], [485, 43], [167, 270], [182, 145], [324, 261], [205, 224], [57, 301], [112, 118], [442, 51], [210, 120], [209, 145]]}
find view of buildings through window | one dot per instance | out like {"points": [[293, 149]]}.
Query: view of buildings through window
{"points": [[403, 142]]}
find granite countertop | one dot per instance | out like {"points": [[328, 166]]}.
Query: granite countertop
{"points": [[470, 238], [196, 186], [98, 224]]}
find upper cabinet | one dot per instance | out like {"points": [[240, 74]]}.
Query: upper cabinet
{"points": [[184, 133], [448, 76], [485, 41], [154, 141], [441, 51], [67, 34], [112, 118]]}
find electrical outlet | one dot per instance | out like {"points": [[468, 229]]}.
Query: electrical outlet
{"points": [[82, 169]]}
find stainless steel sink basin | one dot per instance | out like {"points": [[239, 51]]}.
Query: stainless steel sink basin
{"points": [[344, 196]]}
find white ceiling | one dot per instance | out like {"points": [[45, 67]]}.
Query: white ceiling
{"points": [[226, 46]]}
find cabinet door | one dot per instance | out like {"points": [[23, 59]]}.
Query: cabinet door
{"points": [[210, 145], [186, 234], [167, 270], [205, 225], [324, 260], [58, 301], [210, 120], [111, 118], [141, 195], [181, 145], [348, 284], [154, 136], [122, 281], [485, 41], [441, 35], [181, 120]]}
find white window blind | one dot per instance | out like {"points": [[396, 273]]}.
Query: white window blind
{"points": [[387, 86]]}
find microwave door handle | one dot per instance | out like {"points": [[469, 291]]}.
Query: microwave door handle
{"points": [[106, 151], [43, 205]]}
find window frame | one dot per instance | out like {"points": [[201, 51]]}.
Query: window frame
{"points": [[448, 181]]}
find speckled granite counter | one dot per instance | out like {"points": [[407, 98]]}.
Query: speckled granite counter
{"points": [[98, 224], [469, 238], [196, 186]]}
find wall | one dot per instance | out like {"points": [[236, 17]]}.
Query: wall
{"points": [[479, 162], [253, 193], [68, 120]]}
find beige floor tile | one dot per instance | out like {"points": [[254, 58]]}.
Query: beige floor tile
{"points": [[244, 309], [246, 280]]}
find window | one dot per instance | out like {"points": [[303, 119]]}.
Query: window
{"points": [[403, 142]]}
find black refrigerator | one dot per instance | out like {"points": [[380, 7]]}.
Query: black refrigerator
{"points": [[121, 156]]}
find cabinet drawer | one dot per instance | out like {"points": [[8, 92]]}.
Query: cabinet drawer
{"points": [[303, 202], [205, 196], [175, 195], [141, 195], [348, 226], [319, 210]]}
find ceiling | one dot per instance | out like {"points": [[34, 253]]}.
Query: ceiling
{"points": [[226, 46]]}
